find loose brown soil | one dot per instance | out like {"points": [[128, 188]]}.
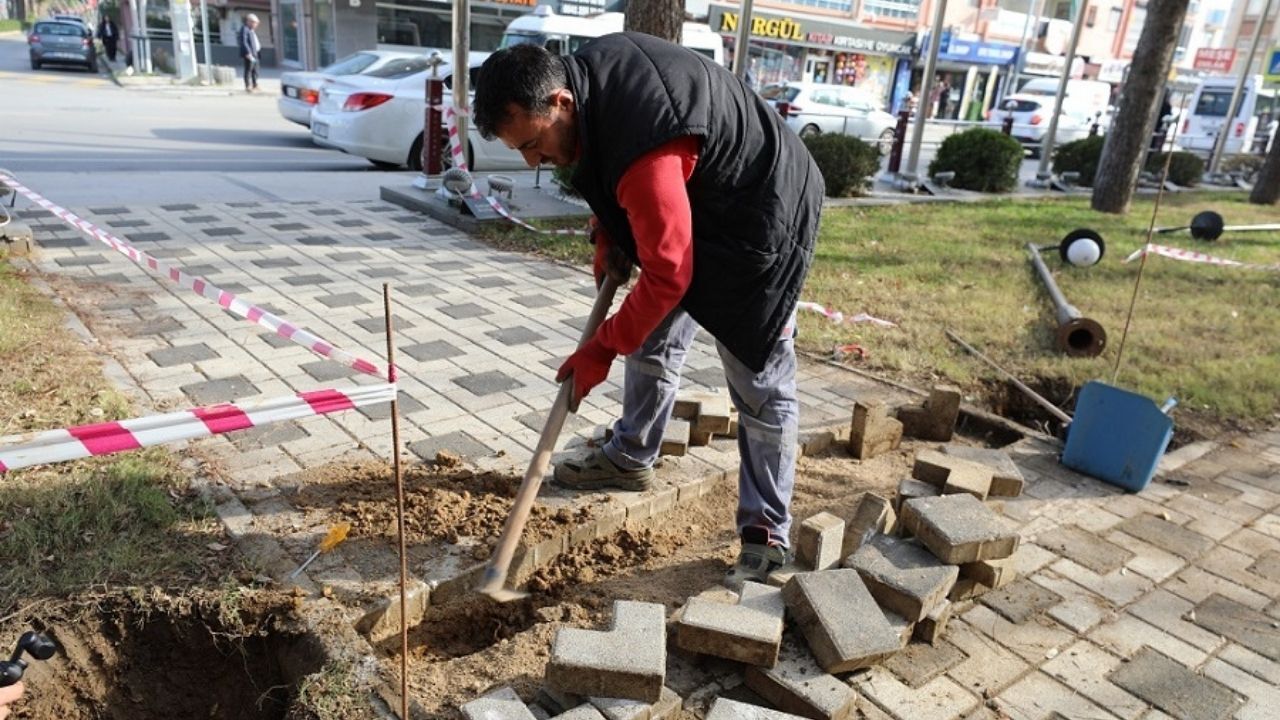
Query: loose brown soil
{"points": [[443, 502]]}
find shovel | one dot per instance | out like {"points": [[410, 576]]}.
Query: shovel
{"points": [[495, 575]]}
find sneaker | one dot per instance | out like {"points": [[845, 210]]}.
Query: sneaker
{"points": [[757, 559], [595, 471]]}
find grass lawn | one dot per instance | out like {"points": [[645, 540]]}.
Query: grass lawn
{"points": [[85, 526], [1206, 335]]}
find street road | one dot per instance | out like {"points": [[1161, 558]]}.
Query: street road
{"points": [[82, 139]]}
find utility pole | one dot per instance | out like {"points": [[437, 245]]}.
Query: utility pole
{"points": [[926, 88], [1011, 85], [1046, 145], [1220, 143], [204, 30], [462, 68], [742, 50]]}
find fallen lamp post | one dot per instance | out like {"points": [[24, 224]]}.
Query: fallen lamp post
{"points": [[1077, 336]]}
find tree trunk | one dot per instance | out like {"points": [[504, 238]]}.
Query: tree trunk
{"points": [[661, 18], [1134, 122], [1266, 188]]}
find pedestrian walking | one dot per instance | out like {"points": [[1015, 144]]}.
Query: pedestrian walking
{"points": [[695, 179], [250, 50], [109, 34]]}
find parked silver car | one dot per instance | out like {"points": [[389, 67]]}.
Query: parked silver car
{"points": [[59, 41], [300, 90], [812, 108]]}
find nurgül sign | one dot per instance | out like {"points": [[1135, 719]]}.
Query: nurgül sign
{"points": [[202, 287]]}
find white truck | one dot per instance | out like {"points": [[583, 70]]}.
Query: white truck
{"points": [[1207, 115], [564, 34]]}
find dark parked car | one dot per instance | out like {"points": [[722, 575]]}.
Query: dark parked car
{"points": [[59, 41]]}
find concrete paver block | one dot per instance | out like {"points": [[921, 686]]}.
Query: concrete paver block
{"points": [[845, 628], [1006, 481], [1240, 623], [798, 685], [872, 432], [910, 489], [1021, 601], [1184, 543], [992, 573], [1174, 688], [931, 627], [935, 419], [15, 240], [952, 474], [918, 664], [902, 576], [500, 704], [959, 528], [622, 709], [726, 709], [778, 578], [707, 412], [627, 661], [967, 589], [871, 515], [821, 541], [748, 632], [557, 702], [675, 438], [382, 620]]}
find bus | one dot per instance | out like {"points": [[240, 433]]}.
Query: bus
{"points": [[564, 34]]}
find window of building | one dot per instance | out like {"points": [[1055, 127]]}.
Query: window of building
{"points": [[845, 6], [891, 9], [1113, 19], [1217, 17], [1062, 10], [1134, 31], [1091, 18]]}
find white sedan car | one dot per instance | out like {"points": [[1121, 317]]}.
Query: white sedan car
{"points": [[300, 90], [813, 108], [1031, 116], [380, 116]]}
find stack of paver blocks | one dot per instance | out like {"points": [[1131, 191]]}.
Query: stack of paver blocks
{"points": [[935, 419], [696, 418], [861, 588]]}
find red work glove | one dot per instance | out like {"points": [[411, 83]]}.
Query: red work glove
{"points": [[589, 366]]}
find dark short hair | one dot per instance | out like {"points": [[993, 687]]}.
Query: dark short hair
{"points": [[525, 75]]}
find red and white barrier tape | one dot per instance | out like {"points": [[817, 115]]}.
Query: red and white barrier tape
{"points": [[460, 162], [53, 446], [1192, 256], [202, 287], [837, 318]]}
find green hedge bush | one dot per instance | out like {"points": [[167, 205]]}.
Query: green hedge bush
{"points": [[1185, 169], [984, 160], [10, 25], [563, 177], [846, 162], [1079, 156]]}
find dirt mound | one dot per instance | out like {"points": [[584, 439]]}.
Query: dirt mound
{"points": [[605, 557], [442, 502]]}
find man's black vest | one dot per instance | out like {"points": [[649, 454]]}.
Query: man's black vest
{"points": [[756, 194]]}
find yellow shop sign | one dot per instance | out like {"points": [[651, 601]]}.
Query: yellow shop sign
{"points": [[780, 28]]}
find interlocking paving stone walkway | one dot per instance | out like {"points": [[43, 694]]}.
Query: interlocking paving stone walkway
{"points": [[1126, 597]]}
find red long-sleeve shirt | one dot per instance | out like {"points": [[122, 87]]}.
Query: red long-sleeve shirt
{"points": [[653, 194]]}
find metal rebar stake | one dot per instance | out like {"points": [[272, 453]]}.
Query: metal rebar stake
{"points": [[399, 473]]}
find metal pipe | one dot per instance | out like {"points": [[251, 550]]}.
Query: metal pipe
{"points": [[742, 50], [1077, 335], [926, 88], [1046, 145], [1039, 399]]}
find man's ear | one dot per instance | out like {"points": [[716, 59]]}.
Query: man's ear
{"points": [[562, 99]]}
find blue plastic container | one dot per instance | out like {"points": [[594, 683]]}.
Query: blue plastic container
{"points": [[1116, 436]]}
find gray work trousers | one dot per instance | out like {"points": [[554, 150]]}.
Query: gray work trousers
{"points": [[768, 418]]}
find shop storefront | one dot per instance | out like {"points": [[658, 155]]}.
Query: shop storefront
{"points": [[969, 73], [788, 47]]}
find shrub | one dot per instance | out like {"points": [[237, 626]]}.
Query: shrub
{"points": [[1079, 156], [1185, 169], [846, 162], [10, 25], [1246, 166], [983, 159]]}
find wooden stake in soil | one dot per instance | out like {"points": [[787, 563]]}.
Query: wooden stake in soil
{"points": [[395, 461]]}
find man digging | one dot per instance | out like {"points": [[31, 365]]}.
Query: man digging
{"points": [[693, 178]]}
